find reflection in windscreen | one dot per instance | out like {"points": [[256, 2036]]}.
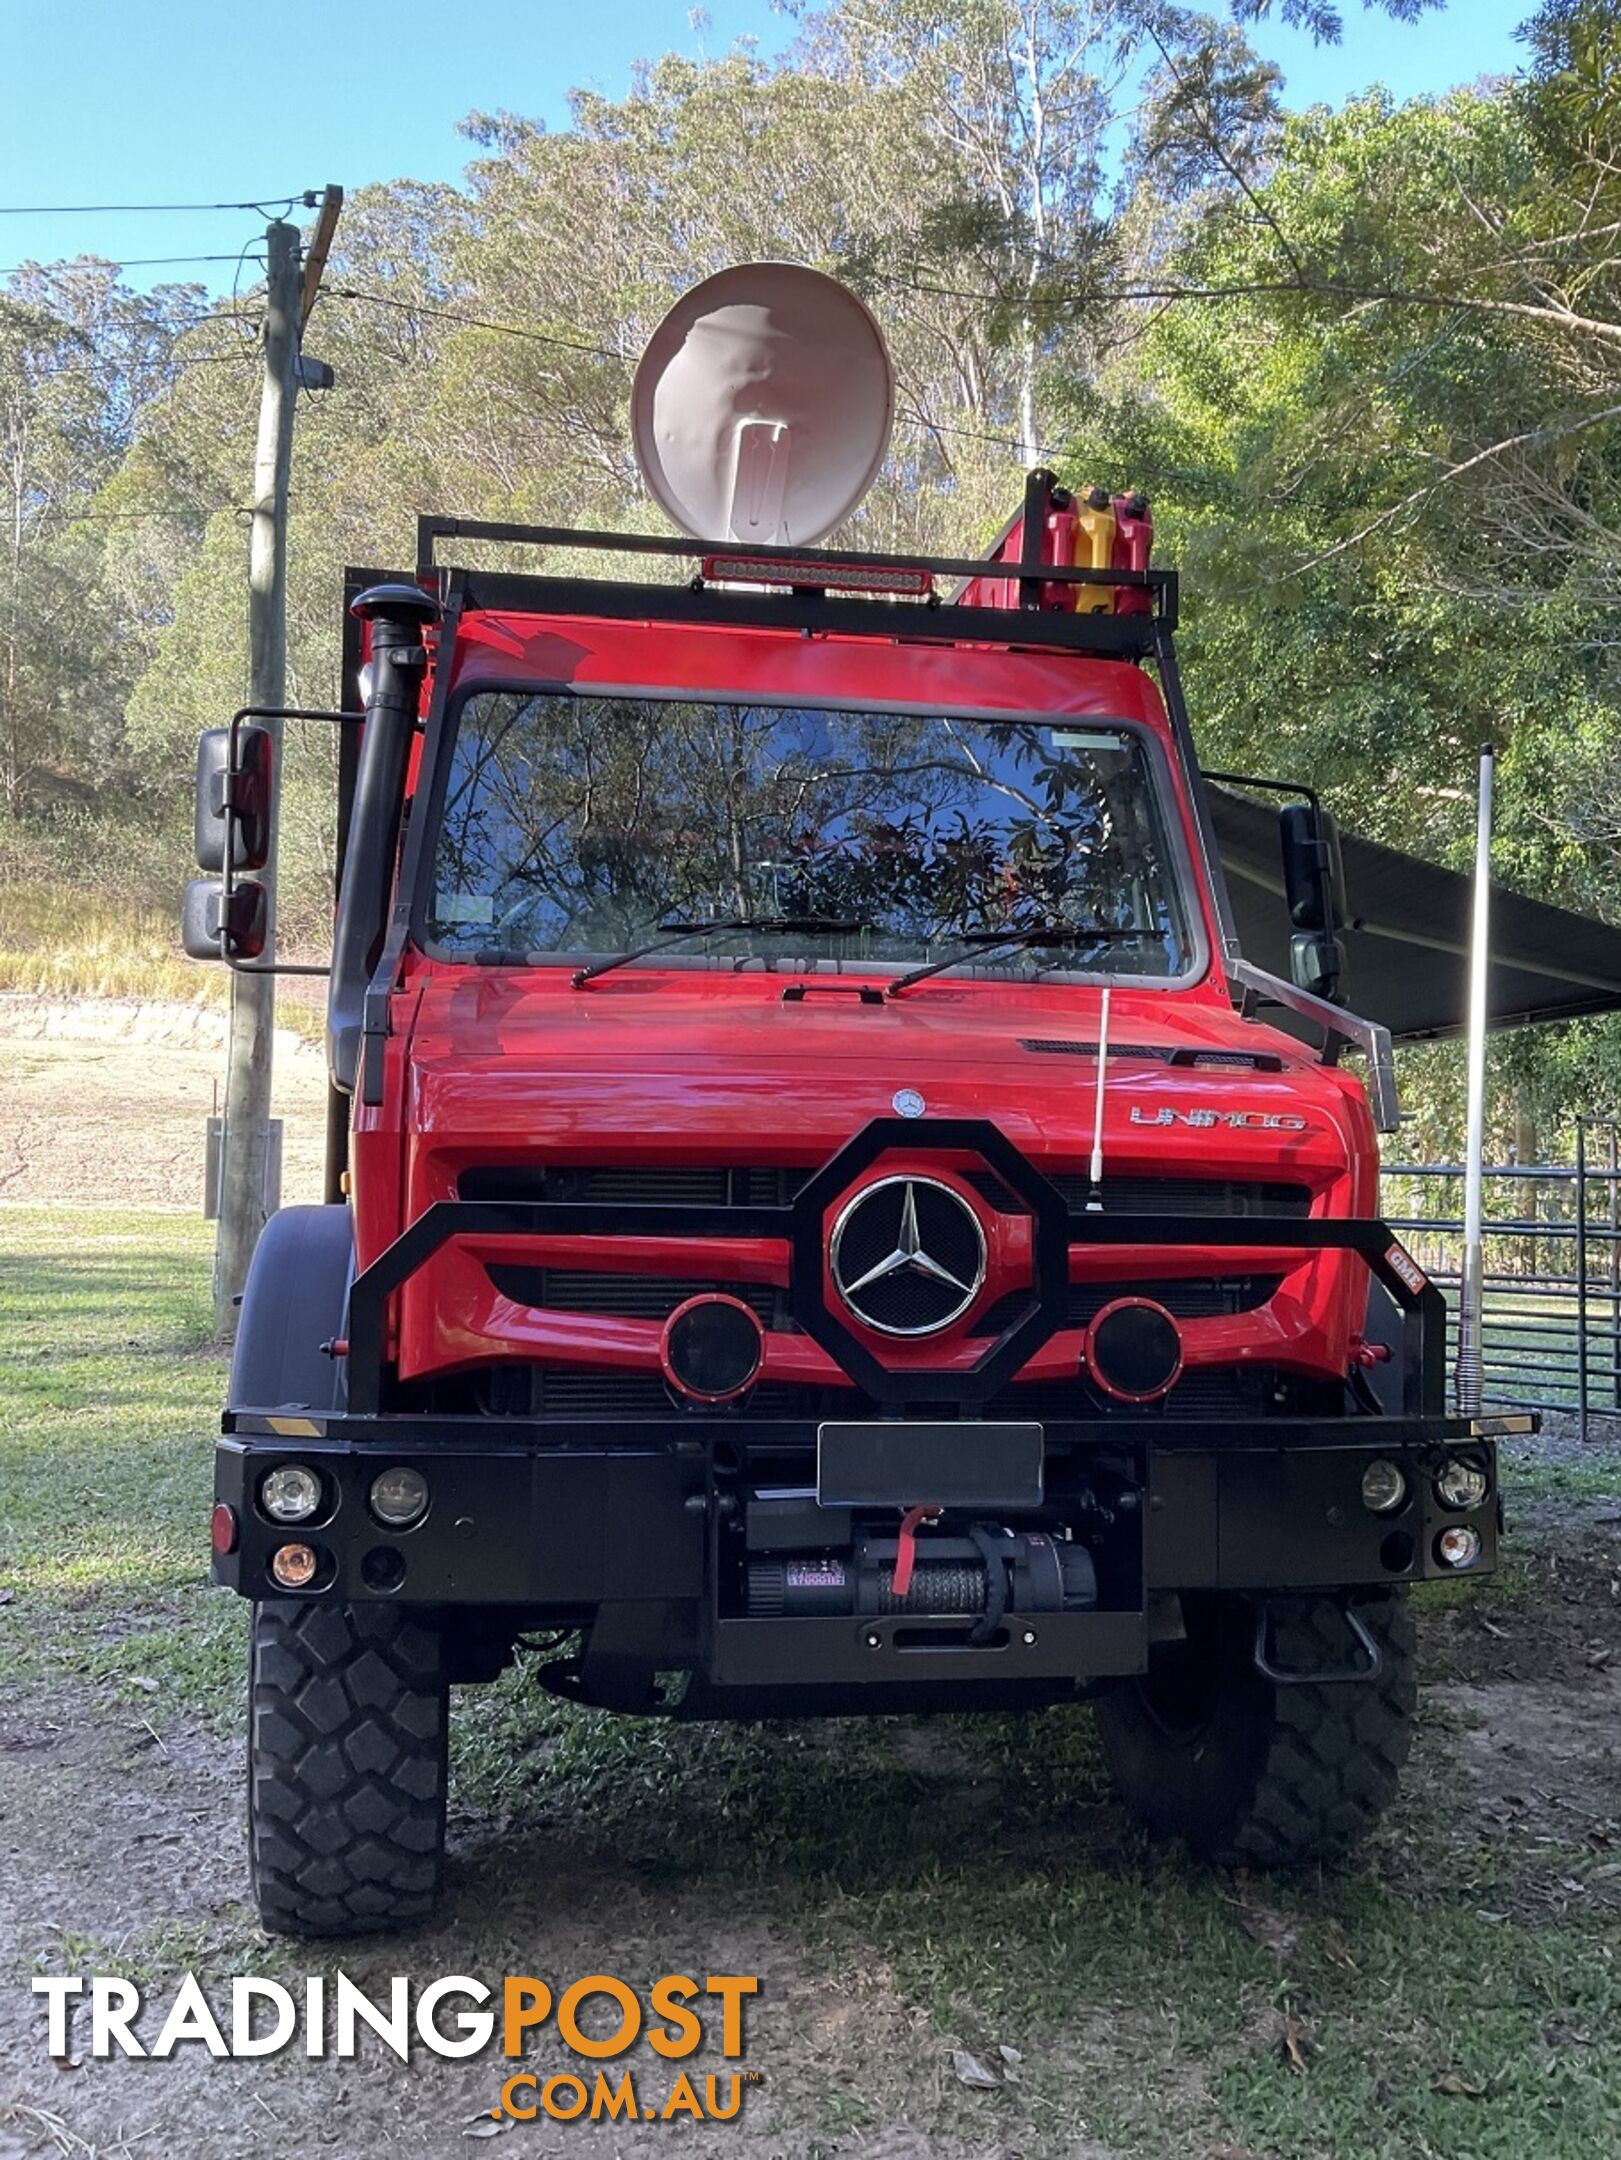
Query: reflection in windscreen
{"points": [[583, 824]]}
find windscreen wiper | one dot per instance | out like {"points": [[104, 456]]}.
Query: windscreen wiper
{"points": [[1042, 936], [673, 933]]}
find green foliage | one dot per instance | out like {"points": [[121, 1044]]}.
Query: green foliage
{"points": [[82, 360]]}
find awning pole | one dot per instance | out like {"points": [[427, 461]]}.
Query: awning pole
{"points": [[1468, 1377]]}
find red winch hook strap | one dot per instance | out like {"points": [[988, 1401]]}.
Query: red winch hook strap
{"points": [[906, 1547]]}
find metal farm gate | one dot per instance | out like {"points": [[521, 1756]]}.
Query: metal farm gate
{"points": [[1552, 1331]]}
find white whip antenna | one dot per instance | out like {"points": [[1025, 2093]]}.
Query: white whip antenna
{"points": [[1095, 1169]]}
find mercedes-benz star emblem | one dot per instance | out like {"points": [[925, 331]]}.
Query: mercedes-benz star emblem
{"points": [[907, 1256], [907, 1102]]}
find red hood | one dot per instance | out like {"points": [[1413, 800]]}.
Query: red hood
{"points": [[717, 1067]]}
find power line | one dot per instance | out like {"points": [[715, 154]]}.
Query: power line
{"points": [[1004, 442], [132, 517], [604, 352], [543, 337], [308, 197], [104, 262], [477, 322]]}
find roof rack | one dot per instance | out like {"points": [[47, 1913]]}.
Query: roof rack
{"points": [[891, 595]]}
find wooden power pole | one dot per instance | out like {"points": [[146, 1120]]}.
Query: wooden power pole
{"points": [[245, 1137]]}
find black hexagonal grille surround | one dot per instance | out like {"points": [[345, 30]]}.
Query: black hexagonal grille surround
{"points": [[890, 1218]]}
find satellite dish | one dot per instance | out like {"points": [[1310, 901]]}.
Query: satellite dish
{"points": [[762, 406]]}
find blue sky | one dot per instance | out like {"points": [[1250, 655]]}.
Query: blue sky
{"points": [[111, 103]]}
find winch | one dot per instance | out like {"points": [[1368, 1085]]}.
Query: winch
{"points": [[986, 1570]]}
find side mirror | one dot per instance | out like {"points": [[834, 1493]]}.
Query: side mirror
{"points": [[1313, 874], [212, 930], [233, 807], [1316, 962]]}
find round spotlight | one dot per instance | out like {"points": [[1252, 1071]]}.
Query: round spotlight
{"points": [[290, 1493], [1133, 1350], [399, 1497], [1384, 1489], [1462, 1484], [1458, 1547], [712, 1348], [294, 1566]]}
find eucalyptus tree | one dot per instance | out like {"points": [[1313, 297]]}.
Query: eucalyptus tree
{"points": [[81, 359]]}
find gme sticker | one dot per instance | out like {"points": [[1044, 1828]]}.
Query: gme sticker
{"points": [[1405, 1268]]}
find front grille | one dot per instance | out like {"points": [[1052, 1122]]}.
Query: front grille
{"points": [[636, 1184], [626, 1297], [583, 1394], [1186, 1195], [528, 1391], [1194, 1297], [655, 1297], [770, 1185], [641, 1296], [1221, 1391], [600, 1394], [1158, 1195]]}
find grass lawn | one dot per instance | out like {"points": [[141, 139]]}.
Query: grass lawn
{"points": [[1454, 1993], [108, 1404]]}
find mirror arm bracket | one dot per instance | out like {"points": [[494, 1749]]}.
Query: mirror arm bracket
{"points": [[1368, 1036]]}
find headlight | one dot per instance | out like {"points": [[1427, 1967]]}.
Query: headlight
{"points": [[290, 1493], [1462, 1484], [1458, 1547], [1383, 1487], [399, 1497]]}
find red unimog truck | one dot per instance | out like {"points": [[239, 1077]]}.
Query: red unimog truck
{"points": [[818, 1218]]}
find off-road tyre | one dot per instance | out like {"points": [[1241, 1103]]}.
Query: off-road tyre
{"points": [[347, 1722], [1249, 1771]]}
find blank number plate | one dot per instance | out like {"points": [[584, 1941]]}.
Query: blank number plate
{"points": [[917, 1465]]}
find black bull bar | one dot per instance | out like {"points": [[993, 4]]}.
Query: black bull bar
{"points": [[799, 1223]]}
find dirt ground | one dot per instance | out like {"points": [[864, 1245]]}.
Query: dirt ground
{"points": [[105, 1104], [77, 1786], [1536, 1691], [1522, 1722]]}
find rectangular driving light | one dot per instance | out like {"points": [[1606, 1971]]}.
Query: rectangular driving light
{"points": [[821, 576]]}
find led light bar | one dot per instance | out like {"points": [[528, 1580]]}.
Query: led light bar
{"points": [[823, 576]]}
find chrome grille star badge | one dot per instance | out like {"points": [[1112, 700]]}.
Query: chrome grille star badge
{"points": [[908, 1253], [908, 1256]]}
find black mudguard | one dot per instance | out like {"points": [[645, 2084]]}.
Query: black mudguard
{"points": [[296, 1300]]}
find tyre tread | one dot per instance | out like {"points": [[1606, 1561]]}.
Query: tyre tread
{"points": [[346, 1767], [1338, 1747], [1311, 1767]]}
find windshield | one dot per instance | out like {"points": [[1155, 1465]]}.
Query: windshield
{"points": [[583, 824]]}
